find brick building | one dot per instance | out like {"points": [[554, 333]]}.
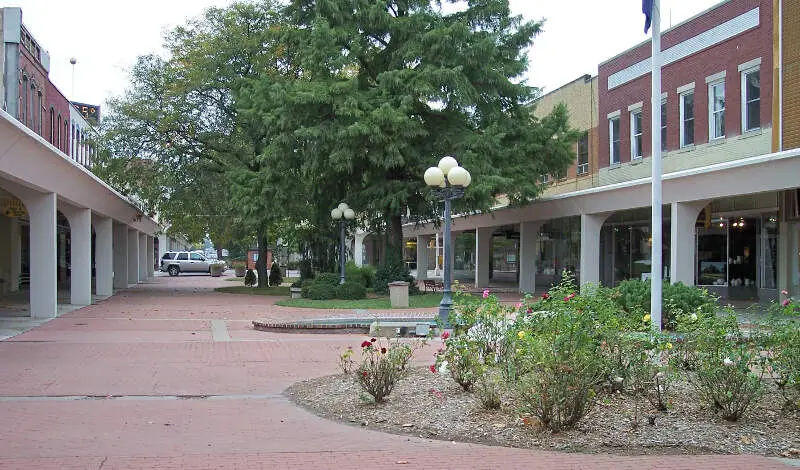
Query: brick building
{"points": [[730, 196]]}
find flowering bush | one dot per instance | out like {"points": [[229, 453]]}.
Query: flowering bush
{"points": [[556, 350], [724, 358], [488, 389], [379, 369], [346, 362], [782, 344], [460, 356]]}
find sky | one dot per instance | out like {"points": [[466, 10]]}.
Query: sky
{"points": [[106, 36]]}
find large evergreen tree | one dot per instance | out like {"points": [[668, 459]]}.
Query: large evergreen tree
{"points": [[381, 90]]}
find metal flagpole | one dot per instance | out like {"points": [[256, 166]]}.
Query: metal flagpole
{"points": [[656, 270]]}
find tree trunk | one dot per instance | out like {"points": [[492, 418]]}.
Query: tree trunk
{"points": [[261, 263], [394, 240]]}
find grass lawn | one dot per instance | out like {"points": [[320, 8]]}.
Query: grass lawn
{"points": [[282, 290], [237, 279], [414, 301]]}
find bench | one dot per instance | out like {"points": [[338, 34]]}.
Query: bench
{"points": [[432, 285]]}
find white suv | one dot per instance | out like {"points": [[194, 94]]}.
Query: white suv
{"points": [[176, 262]]}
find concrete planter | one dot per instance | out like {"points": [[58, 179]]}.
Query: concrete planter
{"points": [[240, 271], [297, 293], [216, 270], [398, 294]]}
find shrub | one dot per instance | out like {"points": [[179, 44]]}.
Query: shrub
{"points": [[321, 291], [460, 356], [377, 374], [250, 278], [724, 378], [275, 276], [391, 272], [560, 365], [350, 291], [346, 362], [305, 288], [331, 279], [352, 273], [677, 299], [782, 344], [488, 389], [368, 273]]}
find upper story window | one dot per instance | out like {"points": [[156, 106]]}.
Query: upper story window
{"points": [[583, 154], [751, 100], [664, 124], [716, 109], [636, 134], [613, 137], [687, 118]]}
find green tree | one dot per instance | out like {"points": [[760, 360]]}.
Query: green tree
{"points": [[181, 112], [382, 90]]}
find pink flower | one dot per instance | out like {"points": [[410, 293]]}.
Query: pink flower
{"points": [[545, 296], [486, 293], [445, 335], [519, 305], [569, 297], [784, 292], [785, 302]]}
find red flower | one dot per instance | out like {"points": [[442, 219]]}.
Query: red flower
{"points": [[366, 344], [373, 340], [530, 310], [569, 297], [433, 368], [545, 296], [364, 373], [445, 335], [383, 350]]}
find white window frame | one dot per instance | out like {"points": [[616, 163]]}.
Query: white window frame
{"points": [[582, 168], [611, 155], [682, 104], [744, 74], [711, 111], [636, 152]]}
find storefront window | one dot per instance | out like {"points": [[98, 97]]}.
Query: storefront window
{"points": [[769, 252], [559, 249], [712, 254]]}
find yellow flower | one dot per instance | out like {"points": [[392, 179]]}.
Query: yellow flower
{"points": [[668, 345], [519, 351], [646, 318], [521, 334]]}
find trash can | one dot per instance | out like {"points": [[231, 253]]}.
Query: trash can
{"points": [[398, 294]]}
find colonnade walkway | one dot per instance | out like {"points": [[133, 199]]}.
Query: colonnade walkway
{"points": [[169, 374]]}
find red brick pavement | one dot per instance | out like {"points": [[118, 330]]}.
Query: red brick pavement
{"points": [[135, 351]]}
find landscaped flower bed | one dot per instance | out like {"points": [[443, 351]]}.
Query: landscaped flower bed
{"points": [[580, 371]]}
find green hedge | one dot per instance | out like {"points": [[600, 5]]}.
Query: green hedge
{"points": [[677, 299], [321, 291], [351, 290], [392, 272]]}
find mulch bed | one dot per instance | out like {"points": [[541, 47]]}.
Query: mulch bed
{"points": [[430, 405]]}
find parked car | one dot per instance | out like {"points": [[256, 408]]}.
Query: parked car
{"points": [[176, 262]]}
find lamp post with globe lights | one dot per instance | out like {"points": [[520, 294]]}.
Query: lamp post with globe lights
{"points": [[450, 179], [342, 213]]}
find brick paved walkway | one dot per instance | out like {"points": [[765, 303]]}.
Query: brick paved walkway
{"points": [[138, 381]]}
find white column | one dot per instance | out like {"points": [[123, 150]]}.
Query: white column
{"points": [[591, 224], [16, 256], [682, 241], [358, 248], [422, 257], [103, 256], [42, 214], [163, 245], [80, 228], [528, 253], [120, 255], [151, 252], [133, 256], [786, 258], [483, 255], [143, 258]]}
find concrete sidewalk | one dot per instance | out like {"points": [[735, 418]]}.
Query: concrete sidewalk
{"points": [[170, 375]]}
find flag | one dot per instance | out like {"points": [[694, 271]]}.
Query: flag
{"points": [[647, 9]]}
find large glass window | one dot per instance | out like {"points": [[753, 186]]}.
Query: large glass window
{"points": [[636, 134], [751, 100], [716, 110], [712, 254], [687, 118], [613, 134], [559, 250]]}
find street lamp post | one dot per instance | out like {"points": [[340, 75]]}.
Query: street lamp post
{"points": [[451, 180], [342, 213]]}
